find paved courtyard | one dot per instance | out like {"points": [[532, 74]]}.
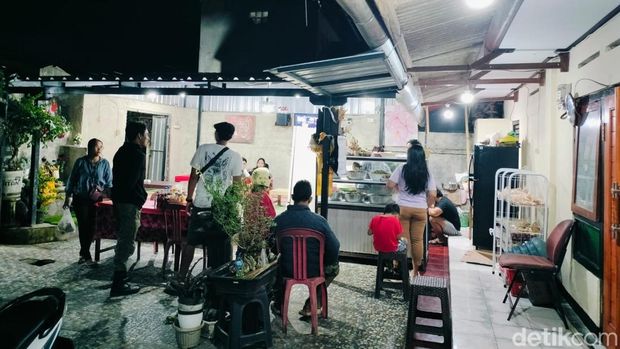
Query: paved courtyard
{"points": [[92, 320]]}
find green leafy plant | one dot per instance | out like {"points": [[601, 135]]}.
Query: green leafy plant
{"points": [[243, 218], [227, 205], [193, 287], [26, 118]]}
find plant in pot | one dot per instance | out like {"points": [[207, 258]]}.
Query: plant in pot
{"points": [[243, 218], [191, 294], [25, 122]]}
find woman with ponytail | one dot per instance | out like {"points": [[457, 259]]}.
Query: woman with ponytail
{"points": [[416, 192]]}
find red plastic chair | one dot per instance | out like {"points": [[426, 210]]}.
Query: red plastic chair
{"points": [[550, 265], [174, 232], [299, 237], [176, 220]]}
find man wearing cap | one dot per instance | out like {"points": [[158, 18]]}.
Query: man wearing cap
{"points": [[211, 163]]}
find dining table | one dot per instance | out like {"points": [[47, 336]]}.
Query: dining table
{"points": [[153, 226]]}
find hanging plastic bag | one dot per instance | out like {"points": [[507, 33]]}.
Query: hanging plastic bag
{"points": [[66, 226]]}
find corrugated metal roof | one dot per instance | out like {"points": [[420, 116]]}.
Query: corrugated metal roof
{"points": [[442, 32], [345, 76]]}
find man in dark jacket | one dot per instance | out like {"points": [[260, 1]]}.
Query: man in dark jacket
{"points": [[128, 195], [299, 215]]}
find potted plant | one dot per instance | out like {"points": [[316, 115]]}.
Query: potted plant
{"points": [[24, 119], [242, 217], [191, 293]]}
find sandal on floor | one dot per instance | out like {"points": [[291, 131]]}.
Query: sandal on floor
{"points": [[307, 313]]}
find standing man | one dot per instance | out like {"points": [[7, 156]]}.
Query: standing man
{"points": [[90, 180], [444, 220], [299, 215], [211, 164], [128, 194]]}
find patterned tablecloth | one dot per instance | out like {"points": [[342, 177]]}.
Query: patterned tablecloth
{"points": [[152, 223]]}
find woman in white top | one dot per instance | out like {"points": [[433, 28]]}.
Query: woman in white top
{"points": [[416, 192]]}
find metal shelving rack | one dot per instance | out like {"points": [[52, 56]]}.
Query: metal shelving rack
{"points": [[514, 221]]}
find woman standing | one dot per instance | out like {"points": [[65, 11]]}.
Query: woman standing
{"points": [[89, 182], [416, 192]]}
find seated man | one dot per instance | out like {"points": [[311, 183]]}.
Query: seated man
{"points": [[299, 215], [444, 220]]}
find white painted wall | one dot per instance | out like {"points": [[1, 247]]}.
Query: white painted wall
{"points": [[273, 143], [105, 118], [484, 128], [548, 144]]}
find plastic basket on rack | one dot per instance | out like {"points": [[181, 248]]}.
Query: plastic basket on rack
{"points": [[520, 209]]}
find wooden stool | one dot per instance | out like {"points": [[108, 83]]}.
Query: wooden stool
{"points": [[432, 287], [401, 257]]}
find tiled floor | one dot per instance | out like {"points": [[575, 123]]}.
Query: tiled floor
{"points": [[357, 320], [479, 317]]}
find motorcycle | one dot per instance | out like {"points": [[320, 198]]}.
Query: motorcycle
{"points": [[33, 321]]}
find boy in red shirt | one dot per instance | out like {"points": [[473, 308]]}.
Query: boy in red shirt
{"points": [[386, 230]]}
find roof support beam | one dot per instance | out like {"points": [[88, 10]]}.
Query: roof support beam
{"points": [[479, 74], [285, 92], [491, 56], [562, 65], [433, 82], [482, 100]]}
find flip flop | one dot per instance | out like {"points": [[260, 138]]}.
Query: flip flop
{"points": [[306, 312]]}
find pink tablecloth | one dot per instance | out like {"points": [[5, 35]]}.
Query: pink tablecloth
{"points": [[152, 223]]}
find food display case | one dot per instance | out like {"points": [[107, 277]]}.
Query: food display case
{"points": [[356, 197]]}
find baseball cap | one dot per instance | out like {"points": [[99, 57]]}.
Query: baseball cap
{"points": [[225, 130]]}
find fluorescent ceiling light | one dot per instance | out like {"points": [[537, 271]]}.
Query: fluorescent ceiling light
{"points": [[467, 97], [478, 4]]}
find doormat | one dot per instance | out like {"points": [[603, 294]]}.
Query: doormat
{"points": [[478, 257]]}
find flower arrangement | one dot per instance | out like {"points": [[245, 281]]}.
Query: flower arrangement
{"points": [[47, 193]]}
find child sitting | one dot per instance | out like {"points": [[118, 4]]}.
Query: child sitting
{"points": [[260, 186], [386, 229]]}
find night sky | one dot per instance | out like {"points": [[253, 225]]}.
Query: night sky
{"points": [[100, 35], [143, 36]]}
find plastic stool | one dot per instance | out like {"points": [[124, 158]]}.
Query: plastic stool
{"points": [[234, 338], [401, 257], [432, 287]]}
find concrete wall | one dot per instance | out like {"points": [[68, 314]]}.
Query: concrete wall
{"points": [[446, 155], [548, 144], [105, 118], [273, 143]]}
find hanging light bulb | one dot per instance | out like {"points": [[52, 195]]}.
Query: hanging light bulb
{"points": [[268, 107], [478, 4], [448, 113], [467, 97]]}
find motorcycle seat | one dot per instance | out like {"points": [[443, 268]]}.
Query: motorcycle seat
{"points": [[24, 321]]}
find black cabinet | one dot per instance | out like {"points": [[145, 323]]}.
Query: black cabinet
{"points": [[486, 161]]}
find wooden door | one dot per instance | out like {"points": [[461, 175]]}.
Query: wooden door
{"points": [[611, 239]]}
